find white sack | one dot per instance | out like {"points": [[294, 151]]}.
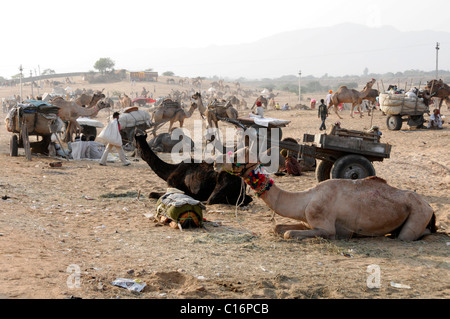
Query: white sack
{"points": [[110, 134]]}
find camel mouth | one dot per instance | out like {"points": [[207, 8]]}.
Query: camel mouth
{"points": [[218, 167], [140, 133], [218, 164], [221, 166]]}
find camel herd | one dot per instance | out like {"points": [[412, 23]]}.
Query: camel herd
{"points": [[168, 111], [387, 211]]}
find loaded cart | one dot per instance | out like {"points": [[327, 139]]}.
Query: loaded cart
{"points": [[399, 108], [343, 154], [32, 118], [132, 119]]}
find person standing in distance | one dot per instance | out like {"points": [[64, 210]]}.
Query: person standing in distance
{"points": [[323, 113], [114, 125]]}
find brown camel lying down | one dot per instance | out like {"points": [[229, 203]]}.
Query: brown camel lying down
{"points": [[341, 208]]}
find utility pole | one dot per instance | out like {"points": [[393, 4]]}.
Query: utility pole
{"points": [[31, 81], [299, 86], [37, 83], [40, 82], [437, 60], [21, 93]]}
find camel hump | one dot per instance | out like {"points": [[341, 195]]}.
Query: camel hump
{"points": [[377, 179]]}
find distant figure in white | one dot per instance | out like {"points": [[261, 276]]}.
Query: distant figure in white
{"points": [[259, 109], [436, 120], [111, 135]]}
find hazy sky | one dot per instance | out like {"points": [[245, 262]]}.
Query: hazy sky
{"points": [[70, 36]]}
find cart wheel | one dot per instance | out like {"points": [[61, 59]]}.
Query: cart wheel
{"points": [[352, 167], [394, 122], [416, 121], [323, 171], [14, 146]]}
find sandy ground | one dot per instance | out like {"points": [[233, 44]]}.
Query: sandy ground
{"points": [[63, 233]]}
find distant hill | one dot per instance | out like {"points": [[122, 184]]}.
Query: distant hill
{"points": [[345, 49]]}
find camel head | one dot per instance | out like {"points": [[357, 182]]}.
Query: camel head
{"points": [[371, 83], [140, 135], [435, 85], [102, 105], [197, 96], [99, 95], [237, 163]]}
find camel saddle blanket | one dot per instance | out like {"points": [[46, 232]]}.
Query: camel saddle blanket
{"points": [[170, 103], [33, 106], [179, 210], [219, 104], [40, 118], [135, 118], [130, 109]]}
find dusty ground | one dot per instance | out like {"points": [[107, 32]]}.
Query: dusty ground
{"points": [[59, 220]]}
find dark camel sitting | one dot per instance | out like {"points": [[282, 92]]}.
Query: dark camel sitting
{"points": [[198, 180]]}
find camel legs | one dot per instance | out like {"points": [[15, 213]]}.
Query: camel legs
{"points": [[305, 234], [410, 230], [282, 229], [72, 128], [181, 123], [418, 222], [336, 109], [352, 110], [358, 107], [321, 224], [440, 103], [172, 122], [170, 126]]}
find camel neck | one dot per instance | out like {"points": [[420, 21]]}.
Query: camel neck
{"points": [[201, 106], [161, 168], [366, 90], [287, 204]]}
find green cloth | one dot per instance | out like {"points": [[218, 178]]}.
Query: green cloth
{"points": [[173, 205]]}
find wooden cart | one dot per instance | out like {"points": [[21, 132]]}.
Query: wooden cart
{"points": [[32, 118], [343, 154], [400, 108]]}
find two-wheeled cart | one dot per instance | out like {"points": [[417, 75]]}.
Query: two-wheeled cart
{"points": [[343, 154], [399, 108], [32, 118]]}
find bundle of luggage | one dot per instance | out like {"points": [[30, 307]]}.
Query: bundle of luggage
{"points": [[179, 211], [394, 104], [41, 117]]}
